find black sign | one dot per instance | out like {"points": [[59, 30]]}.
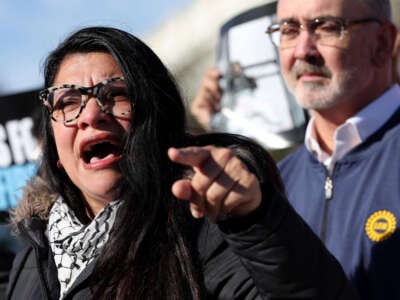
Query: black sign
{"points": [[18, 146]]}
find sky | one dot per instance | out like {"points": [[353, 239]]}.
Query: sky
{"points": [[30, 29]]}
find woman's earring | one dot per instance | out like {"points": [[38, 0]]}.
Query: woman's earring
{"points": [[59, 164]]}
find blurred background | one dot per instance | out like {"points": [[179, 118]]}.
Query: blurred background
{"points": [[183, 33]]}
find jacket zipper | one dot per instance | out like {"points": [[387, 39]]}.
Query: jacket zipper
{"points": [[39, 265], [328, 188]]}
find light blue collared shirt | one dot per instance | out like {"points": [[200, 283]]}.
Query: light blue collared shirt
{"points": [[356, 129]]}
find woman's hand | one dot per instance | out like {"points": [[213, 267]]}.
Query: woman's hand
{"points": [[220, 186]]}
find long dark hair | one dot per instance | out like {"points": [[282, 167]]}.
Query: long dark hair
{"points": [[148, 255], [151, 253]]}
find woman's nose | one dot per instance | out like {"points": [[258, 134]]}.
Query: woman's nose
{"points": [[92, 114]]}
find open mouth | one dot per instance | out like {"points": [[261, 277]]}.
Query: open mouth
{"points": [[95, 152]]}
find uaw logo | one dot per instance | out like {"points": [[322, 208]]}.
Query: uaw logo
{"points": [[380, 225]]}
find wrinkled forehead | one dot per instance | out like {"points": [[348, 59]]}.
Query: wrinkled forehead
{"points": [[311, 9]]}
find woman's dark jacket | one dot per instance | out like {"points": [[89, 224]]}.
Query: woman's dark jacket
{"points": [[269, 254]]}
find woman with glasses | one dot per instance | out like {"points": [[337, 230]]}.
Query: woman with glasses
{"points": [[130, 206]]}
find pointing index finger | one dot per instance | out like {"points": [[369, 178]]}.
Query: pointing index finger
{"points": [[189, 156]]}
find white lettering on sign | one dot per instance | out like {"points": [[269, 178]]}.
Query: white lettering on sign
{"points": [[5, 153], [21, 140], [17, 144]]}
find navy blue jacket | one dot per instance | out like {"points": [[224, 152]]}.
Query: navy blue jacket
{"points": [[356, 210]]}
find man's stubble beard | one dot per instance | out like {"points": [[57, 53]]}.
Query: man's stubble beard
{"points": [[325, 95]]}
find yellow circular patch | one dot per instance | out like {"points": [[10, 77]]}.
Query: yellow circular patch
{"points": [[380, 225]]}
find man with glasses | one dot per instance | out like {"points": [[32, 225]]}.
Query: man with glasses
{"points": [[336, 58]]}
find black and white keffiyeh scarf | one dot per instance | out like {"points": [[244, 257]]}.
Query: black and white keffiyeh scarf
{"points": [[75, 245]]}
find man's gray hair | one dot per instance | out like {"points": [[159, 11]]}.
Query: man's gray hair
{"points": [[379, 8], [395, 12]]}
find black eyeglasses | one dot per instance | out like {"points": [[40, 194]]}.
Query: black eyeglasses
{"points": [[66, 102], [328, 31]]}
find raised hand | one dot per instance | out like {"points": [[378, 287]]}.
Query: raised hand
{"points": [[220, 185], [208, 99]]}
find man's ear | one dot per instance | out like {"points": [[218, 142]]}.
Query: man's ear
{"points": [[396, 60], [385, 41], [396, 48]]}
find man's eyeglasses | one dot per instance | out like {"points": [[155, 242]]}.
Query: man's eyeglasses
{"points": [[328, 31], [66, 102]]}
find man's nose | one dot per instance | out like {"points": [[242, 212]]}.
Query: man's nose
{"points": [[305, 46]]}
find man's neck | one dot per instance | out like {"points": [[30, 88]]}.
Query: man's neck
{"points": [[328, 120], [324, 130]]}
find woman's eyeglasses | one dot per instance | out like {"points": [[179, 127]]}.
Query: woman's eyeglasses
{"points": [[66, 102]]}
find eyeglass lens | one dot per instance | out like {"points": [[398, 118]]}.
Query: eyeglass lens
{"points": [[68, 102], [326, 32]]}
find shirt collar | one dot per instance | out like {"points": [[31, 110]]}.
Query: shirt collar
{"points": [[356, 129]]}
